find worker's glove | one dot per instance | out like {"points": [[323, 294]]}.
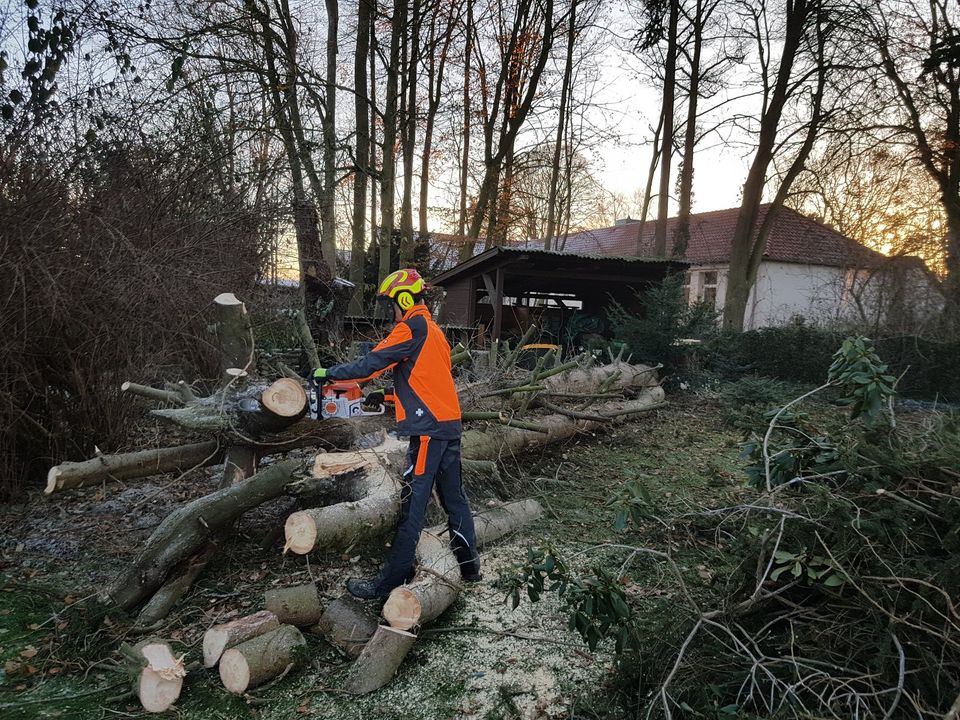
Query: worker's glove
{"points": [[320, 373]]}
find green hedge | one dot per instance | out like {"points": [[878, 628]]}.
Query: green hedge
{"points": [[802, 353]]}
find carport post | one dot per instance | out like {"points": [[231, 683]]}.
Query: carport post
{"points": [[498, 306]]}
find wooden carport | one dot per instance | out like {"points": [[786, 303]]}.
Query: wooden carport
{"points": [[491, 287]]}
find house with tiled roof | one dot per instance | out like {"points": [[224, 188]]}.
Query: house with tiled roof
{"points": [[808, 269]]}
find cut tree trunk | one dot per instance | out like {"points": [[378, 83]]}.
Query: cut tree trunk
{"points": [[346, 624], [157, 675], [223, 637], [344, 523], [437, 583], [298, 605], [243, 411], [260, 659], [379, 660], [143, 463], [234, 334], [189, 528]]}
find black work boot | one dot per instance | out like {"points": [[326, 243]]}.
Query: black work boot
{"points": [[365, 589]]}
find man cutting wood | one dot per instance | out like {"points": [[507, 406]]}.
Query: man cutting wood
{"points": [[428, 411]]}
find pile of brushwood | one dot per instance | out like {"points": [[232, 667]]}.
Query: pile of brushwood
{"points": [[842, 600], [347, 493]]}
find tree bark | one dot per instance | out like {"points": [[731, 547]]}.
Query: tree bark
{"points": [[328, 228], [666, 147], [262, 658], [189, 528], [388, 166], [298, 605], [143, 463], [379, 660], [361, 153], [223, 637], [745, 243], [346, 624]]}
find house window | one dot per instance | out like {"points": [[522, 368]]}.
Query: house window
{"points": [[709, 288], [687, 280]]}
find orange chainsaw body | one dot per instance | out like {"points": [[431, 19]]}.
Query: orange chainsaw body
{"points": [[344, 399]]}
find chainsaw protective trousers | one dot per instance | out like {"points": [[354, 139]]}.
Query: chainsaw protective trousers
{"points": [[431, 461]]}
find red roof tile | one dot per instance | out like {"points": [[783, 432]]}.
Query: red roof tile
{"points": [[794, 238]]}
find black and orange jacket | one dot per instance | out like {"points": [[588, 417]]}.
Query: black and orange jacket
{"points": [[419, 354]]}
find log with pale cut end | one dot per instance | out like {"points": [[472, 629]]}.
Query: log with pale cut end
{"points": [[438, 576], [157, 674], [285, 398], [298, 605], [342, 524], [346, 624], [223, 637], [379, 660], [261, 659], [234, 335], [124, 466]]}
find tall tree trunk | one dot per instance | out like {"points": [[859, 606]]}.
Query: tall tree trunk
{"points": [[682, 238], [328, 230], [739, 278], [666, 147], [409, 133], [648, 188], [388, 172], [466, 250], [434, 92], [558, 145], [362, 154], [374, 176]]}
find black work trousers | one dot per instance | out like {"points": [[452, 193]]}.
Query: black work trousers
{"points": [[431, 462]]}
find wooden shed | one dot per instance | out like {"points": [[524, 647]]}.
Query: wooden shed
{"points": [[505, 289]]}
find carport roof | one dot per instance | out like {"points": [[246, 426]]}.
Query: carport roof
{"points": [[561, 266]]}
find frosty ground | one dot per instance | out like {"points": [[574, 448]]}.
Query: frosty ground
{"points": [[479, 660]]}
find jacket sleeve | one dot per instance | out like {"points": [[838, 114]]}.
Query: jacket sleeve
{"points": [[397, 346]]}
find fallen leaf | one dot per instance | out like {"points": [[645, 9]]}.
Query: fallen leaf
{"points": [[11, 667], [69, 600], [62, 625], [304, 710], [33, 626], [29, 651], [31, 669], [55, 670]]}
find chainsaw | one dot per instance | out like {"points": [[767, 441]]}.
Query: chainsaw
{"points": [[345, 399]]}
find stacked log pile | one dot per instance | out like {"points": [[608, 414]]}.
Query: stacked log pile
{"points": [[348, 492]]}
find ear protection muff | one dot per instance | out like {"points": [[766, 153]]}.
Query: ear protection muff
{"points": [[404, 300]]}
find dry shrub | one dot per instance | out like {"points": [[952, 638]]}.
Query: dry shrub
{"points": [[107, 273]]}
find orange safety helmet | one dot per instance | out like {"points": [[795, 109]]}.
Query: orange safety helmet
{"points": [[402, 287]]}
